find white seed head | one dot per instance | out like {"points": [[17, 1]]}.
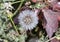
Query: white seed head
{"points": [[28, 19]]}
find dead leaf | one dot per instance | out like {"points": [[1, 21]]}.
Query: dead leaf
{"points": [[52, 22]]}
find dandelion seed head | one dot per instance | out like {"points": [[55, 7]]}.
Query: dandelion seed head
{"points": [[28, 19]]}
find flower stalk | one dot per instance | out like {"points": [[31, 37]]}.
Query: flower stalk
{"points": [[18, 7], [10, 17]]}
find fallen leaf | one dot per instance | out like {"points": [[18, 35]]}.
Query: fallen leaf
{"points": [[52, 22], [56, 7]]}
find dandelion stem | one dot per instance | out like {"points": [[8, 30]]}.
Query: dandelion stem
{"points": [[15, 2], [18, 7], [15, 14], [14, 25]]}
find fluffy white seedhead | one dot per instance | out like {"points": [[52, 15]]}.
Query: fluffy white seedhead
{"points": [[28, 19]]}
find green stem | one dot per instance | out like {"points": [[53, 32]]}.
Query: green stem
{"points": [[18, 7], [15, 2], [15, 14], [14, 25]]}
